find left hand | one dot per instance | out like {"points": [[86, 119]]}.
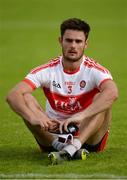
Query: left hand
{"points": [[76, 119]]}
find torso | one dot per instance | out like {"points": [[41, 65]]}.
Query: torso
{"points": [[68, 93]]}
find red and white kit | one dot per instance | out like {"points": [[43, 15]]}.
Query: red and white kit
{"points": [[68, 93]]}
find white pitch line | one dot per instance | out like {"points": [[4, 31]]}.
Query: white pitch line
{"points": [[62, 176]]}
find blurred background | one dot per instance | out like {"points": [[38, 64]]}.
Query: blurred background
{"points": [[29, 31]]}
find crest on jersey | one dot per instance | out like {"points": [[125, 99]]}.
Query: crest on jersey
{"points": [[82, 84]]}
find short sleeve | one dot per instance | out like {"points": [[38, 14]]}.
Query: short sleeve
{"points": [[38, 79], [99, 76]]}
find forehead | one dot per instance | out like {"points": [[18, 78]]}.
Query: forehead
{"points": [[74, 34]]}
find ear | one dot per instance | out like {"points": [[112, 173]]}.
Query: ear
{"points": [[60, 40], [86, 43]]}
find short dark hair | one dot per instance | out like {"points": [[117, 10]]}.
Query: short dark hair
{"points": [[75, 24]]}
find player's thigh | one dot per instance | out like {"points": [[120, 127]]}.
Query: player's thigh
{"points": [[105, 121]]}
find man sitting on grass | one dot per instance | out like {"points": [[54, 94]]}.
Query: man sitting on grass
{"points": [[79, 92]]}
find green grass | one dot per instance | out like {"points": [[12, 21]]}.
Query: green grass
{"points": [[29, 31]]}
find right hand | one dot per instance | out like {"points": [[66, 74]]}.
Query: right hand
{"points": [[54, 128], [44, 122]]}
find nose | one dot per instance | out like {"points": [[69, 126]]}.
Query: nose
{"points": [[73, 44]]}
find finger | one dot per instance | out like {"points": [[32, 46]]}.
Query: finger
{"points": [[46, 126], [49, 123], [61, 128], [53, 127], [65, 126], [54, 130], [42, 126], [55, 121]]}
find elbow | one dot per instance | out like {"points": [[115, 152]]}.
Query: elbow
{"points": [[114, 94], [10, 97]]}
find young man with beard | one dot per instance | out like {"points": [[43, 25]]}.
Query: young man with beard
{"points": [[79, 91]]}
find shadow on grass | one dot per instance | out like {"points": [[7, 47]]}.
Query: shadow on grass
{"points": [[21, 154]]}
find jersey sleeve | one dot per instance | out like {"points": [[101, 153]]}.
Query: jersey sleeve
{"points": [[100, 75], [38, 79]]}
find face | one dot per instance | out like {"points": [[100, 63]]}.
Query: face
{"points": [[73, 44]]}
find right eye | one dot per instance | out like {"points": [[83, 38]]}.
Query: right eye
{"points": [[69, 40]]}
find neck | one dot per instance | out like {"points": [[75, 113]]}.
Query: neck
{"points": [[71, 66]]}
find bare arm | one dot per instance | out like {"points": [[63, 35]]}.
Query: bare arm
{"points": [[108, 94], [37, 109], [33, 113]]}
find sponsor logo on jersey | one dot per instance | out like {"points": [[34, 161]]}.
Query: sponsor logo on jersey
{"points": [[57, 85], [82, 84], [71, 105]]}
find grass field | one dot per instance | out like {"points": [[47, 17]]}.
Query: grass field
{"points": [[29, 31]]}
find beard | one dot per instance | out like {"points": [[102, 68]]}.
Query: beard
{"points": [[71, 58]]}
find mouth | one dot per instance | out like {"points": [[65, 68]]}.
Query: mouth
{"points": [[72, 52]]}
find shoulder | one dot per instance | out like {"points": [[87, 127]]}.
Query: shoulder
{"points": [[52, 63], [93, 64]]}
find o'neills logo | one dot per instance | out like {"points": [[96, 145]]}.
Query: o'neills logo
{"points": [[82, 84], [70, 106], [57, 85]]}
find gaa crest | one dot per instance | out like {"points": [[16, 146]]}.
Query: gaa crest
{"points": [[82, 84]]}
